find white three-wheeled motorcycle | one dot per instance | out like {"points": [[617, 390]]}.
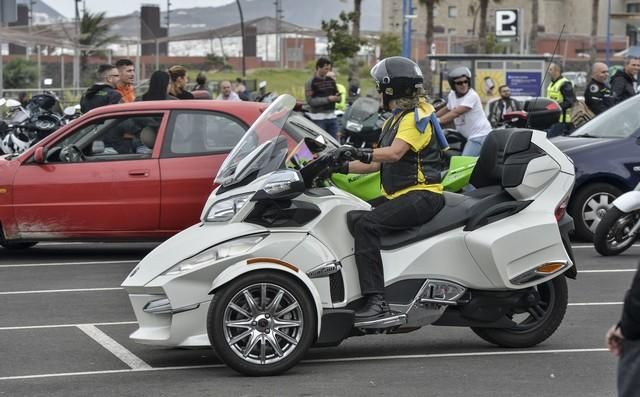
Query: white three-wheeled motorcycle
{"points": [[269, 271]]}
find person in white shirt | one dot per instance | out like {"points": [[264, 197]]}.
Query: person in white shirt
{"points": [[464, 108], [226, 94]]}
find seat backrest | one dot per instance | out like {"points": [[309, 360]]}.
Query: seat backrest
{"points": [[488, 169], [148, 136]]}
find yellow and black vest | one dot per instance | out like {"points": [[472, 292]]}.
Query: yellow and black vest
{"points": [[404, 172], [553, 92]]}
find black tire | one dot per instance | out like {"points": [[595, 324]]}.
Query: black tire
{"points": [[612, 234], [531, 330], [262, 359], [588, 206]]}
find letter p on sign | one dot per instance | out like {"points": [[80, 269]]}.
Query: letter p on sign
{"points": [[506, 23]]}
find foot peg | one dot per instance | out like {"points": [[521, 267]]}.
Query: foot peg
{"points": [[393, 320]]}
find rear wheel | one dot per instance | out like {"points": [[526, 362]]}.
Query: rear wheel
{"points": [[536, 324], [261, 323], [612, 235], [588, 206]]}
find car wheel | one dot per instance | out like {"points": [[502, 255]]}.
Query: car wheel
{"points": [[535, 325], [261, 323], [588, 206], [612, 235]]}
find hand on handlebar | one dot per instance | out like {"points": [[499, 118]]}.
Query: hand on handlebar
{"points": [[349, 153]]}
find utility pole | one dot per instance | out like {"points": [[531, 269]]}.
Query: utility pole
{"points": [[243, 37], [278, 4], [76, 55], [168, 19], [31, 4]]}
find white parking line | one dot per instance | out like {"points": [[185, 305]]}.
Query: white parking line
{"points": [[323, 360], [27, 327], [68, 263], [591, 246], [52, 291], [596, 304], [114, 347], [607, 271]]}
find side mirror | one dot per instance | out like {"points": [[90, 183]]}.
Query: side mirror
{"points": [[285, 184], [39, 155], [316, 145]]}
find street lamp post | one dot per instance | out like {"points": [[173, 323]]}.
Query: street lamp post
{"points": [[243, 37], [608, 42], [76, 55]]}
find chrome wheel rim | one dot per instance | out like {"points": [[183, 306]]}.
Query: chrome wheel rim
{"points": [[618, 236], [263, 323], [594, 209]]}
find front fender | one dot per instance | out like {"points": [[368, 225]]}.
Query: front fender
{"points": [[628, 202], [252, 265]]}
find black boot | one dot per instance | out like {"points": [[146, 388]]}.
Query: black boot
{"points": [[374, 308]]}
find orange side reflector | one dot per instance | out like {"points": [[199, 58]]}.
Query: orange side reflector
{"points": [[550, 268], [253, 261]]}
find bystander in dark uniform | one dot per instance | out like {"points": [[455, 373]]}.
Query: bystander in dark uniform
{"points": [[598, 96], [624, 82], [623, 339]]}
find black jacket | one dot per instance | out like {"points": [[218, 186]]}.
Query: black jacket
{"points": [[598, 97], [622, 86], [97, 95], [630, 323]]}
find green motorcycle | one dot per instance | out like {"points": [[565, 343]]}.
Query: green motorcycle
{"points": [[367, 186]]}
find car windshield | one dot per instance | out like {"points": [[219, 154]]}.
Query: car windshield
{"points": [[270, 144], [621, 121]]}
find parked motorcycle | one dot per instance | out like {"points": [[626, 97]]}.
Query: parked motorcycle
{"points": [[538, 113], [26, 125], [618, 229], [362, 122], [270, 269]]}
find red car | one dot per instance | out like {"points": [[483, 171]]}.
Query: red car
{"points": [[141, 170]]}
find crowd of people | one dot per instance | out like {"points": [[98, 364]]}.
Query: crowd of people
{"points": [[115, 84]]}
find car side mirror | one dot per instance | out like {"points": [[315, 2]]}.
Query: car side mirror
{"points": [[39, 155]]}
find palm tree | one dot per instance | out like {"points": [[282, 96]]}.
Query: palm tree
{"points": [[430, 6], [595, 4], [482, 31], [94, 32], [357, 12], [533, 34]]}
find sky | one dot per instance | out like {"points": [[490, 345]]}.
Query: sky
{"points": [[122, 7]]}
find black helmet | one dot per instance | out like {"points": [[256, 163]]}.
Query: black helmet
{"points": [[456, 73], [397, 77]]}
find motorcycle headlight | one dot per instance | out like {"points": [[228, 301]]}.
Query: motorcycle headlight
{"points": [[222, 211], [230, 248], [353, 126]]}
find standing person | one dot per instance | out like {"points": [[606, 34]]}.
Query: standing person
{"points": [[241, 89], [179, 82], [560, 90], [598, 96], [322, 95], [226, 92], [410, 162], [159, 86], [624, 82], [103, 91], [465, 109], [201, 82], [127, 77], [503, 105], [623, 340]]}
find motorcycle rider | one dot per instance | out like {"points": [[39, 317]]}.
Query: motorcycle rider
{"points": [[409, 158], [102, 92], [503, 105], [465, 109]]}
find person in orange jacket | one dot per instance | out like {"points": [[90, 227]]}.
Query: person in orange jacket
{"points": [[127, 78]]}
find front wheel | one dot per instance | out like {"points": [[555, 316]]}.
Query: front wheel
{"points": [[261, 323], [536, 324], [612, 234]]}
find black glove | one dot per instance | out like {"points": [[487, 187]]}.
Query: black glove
{"points": [[348, 153]]}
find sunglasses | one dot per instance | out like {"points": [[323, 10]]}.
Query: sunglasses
{"points": [[461, 82]]}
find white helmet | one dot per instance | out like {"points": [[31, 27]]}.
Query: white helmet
{"points": [[14, 144]]}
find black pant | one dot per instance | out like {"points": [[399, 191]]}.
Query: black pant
{"points": [[629, 369], [411, 209]]}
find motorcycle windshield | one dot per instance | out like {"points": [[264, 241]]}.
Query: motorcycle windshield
{"points": [[263, 148]]}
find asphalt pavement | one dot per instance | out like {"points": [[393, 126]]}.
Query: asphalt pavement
{"points": [[65, 321]]}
